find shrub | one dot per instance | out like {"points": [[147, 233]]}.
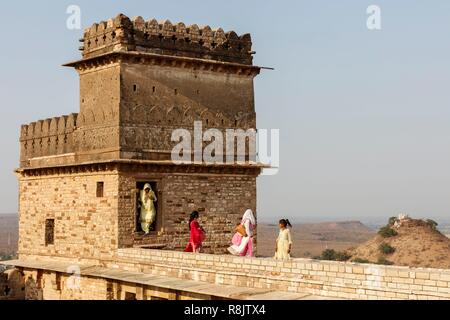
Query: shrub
{"points": [[333, 255], [342, 256], [392, 221], [359, 260], [387, 232], [384, 261], [7, 256], [328, 254], [433, 224], [386, 249]]}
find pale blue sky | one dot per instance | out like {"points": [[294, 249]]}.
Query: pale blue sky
{"points": [[364, 115]]}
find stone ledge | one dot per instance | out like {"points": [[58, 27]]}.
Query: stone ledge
{"points": [[171, 283]]}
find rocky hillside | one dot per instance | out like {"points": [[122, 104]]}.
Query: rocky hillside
{"points": [[406, 242]]}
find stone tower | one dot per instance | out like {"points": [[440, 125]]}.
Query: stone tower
{"points": [[80, 174]]}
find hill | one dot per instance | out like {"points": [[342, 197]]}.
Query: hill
{"points": [[407, 242]]}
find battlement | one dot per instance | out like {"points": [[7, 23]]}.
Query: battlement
{"points": [[165, 38], [47, 137]]}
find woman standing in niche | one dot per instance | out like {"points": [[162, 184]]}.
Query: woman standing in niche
{"points": [[197, 234], [148, 211]]}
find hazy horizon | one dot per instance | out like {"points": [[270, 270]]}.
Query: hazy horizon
{"points": [[308, 219], [364, 115]]}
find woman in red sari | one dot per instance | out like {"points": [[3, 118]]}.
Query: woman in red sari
{"points": [[197, 234]]}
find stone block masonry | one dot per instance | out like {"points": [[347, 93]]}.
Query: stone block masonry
{"points": [[320, 278], [86, 224], [146, 273]]}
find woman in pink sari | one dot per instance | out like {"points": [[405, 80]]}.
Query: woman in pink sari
{"points": [[243, 244], [197, 234]]}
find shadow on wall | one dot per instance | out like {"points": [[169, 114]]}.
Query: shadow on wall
{"points": [[31, 290], [12, 285]]}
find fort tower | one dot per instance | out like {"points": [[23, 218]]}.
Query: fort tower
{"points": [[80, 174]]}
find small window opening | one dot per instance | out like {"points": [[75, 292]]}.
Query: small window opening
{"points": [[134, 87], [176, 92], [100, 189], [58, 282], [49, 232], [130, 296], [154, 89]]}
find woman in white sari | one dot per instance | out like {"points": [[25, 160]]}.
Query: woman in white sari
{"points": [[148, 211], [243, 244]]}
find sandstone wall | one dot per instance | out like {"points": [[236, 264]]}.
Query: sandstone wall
{"points": [[84, 224], [97, 126], [195, 91], [318, 278], [322, 278], [49, 285], [156, 100], [30, 284]]}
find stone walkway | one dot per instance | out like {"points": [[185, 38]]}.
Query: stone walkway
{"points": [[203, 288]]}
